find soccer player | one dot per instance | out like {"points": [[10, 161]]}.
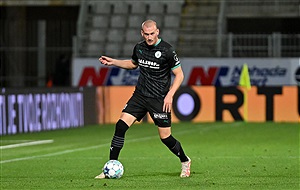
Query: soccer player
{"points": [[153, 92]]}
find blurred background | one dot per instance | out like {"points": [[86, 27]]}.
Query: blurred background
{"points": [[39, 39]]}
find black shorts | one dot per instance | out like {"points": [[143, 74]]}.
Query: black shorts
{"points": [[138, 106]]}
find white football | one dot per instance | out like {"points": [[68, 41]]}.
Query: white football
{"points": [[113, 169]]}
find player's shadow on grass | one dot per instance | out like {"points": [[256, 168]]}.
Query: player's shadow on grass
{"points": [[157, 174], [170, 174]]}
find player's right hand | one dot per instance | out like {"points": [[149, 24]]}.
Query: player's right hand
{"points": [[105, 60]]}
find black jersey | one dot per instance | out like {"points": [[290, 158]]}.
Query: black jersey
{"points": [[156, 63]]}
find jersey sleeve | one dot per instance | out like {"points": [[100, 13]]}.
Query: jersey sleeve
{"points": [[134, 57], [174, 61]]}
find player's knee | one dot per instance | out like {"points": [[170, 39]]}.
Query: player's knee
{"points": [[164, 132]]}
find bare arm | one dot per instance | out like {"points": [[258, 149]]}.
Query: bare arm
{"points": [[125, 64], [176, 84]]}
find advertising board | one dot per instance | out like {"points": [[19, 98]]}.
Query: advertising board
{"points": [[35, 110], [211, 104], [197, 71]]}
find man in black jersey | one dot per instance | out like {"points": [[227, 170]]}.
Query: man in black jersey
{"points": [[153, 93]]}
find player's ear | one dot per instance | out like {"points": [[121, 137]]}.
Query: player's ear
{"points": [[157, 31], [142, 33]]}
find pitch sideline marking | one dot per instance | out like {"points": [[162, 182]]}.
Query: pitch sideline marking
{"points": [[26, 144], [68, 151], [96, 146], [14, 141]]}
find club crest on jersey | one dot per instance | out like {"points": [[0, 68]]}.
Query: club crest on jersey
{"points": [[158, 54]]}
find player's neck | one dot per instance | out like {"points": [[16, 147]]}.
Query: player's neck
{"points": [[154, 45]]}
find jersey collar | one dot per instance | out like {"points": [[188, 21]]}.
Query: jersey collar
{"points": [[158, 41]]}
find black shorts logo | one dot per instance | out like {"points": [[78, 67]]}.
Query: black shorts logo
{"points": [[160, 115]]}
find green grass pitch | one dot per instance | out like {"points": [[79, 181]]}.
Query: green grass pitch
{"points": [[224, 156]]}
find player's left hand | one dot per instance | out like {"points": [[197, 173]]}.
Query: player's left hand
{"points": [[168, 103]]}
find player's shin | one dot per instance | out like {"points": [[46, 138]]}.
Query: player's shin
{"points": [[175, 147], [118, 140]]}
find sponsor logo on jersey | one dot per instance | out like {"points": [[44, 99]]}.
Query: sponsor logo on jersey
{"points": [[150, 64], [176, 58]]}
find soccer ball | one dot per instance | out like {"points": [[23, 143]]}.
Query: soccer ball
{"points": [[113, 169]]}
